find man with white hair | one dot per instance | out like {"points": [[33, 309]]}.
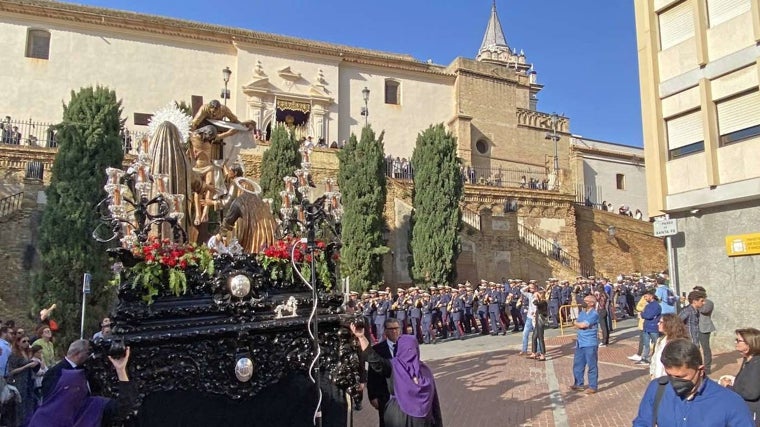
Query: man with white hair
{"points": [[586, 348]]}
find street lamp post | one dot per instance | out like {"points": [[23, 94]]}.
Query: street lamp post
{"points": [[554, 137], [226, 73], [365, 109]]}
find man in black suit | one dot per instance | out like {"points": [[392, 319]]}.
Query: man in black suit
{"points": [[65, 392], [377, 386]]}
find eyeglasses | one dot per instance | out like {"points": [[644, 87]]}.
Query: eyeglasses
{"points": [[390, 329]]}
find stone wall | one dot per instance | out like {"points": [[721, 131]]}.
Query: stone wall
{"points": [[19, 257], [633, 248]]}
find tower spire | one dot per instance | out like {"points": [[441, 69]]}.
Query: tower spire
{"points": [[494, 36]]}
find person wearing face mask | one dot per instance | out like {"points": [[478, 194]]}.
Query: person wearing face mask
{"points": [[687, 397]]}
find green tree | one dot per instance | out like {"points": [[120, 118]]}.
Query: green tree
{"points": [[361, 178], [88, 142], [184, 107], [436, 217], [280, 160]]}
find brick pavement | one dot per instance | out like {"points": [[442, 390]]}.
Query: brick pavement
{"points": [[500, 388]]}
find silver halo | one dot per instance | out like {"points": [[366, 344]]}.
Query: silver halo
{"points": [[257, 188]]}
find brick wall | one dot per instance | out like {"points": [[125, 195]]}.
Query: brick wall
{"points": [[633, 248], [19, 258]]}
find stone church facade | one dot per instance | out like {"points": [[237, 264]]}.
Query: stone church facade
{"points": [[489, 103]]}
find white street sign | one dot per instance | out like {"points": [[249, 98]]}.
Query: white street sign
{"points": [[665, 227]]}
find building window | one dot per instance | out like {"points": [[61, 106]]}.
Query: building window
{"points": [[38, 44], [676, 24], [697, 147], [481, 146], [685, 134], [720, 11], [620, 181], [739, 117], [392, 89]]}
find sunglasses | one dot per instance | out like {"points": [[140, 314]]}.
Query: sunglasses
{"points": [[24, 341]]}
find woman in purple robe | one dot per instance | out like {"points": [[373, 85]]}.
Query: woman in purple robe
{"points": [[414, 398]]}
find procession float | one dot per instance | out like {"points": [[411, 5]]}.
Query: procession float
{"points": [[239, 325]]}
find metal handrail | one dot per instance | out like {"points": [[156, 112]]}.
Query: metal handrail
{"points": [[11, 204], [471, 218], [553, 250]]}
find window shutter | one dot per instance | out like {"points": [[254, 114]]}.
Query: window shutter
{"points": [[739, 113], [676, 25], [685, 130], [719, 11]]}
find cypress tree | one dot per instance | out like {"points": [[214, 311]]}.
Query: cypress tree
{"points": [[436, 217], [361, 178], [280, 160], [88, 142]]}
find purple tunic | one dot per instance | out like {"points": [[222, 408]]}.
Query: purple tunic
{"points": [[70, 404]]}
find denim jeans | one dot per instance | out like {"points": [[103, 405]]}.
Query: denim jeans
{"points": [[586, 356], [648, 338], [527, 333]]}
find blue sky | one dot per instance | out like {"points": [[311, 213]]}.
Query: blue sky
{"points": [[583, 50]]}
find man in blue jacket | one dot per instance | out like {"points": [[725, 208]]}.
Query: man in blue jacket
{"points": [[651, 315], [687, 397]]}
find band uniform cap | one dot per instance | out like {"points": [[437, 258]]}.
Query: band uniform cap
{"points": [[399, 290], [382, 293], [353, 293], [532, 281]]}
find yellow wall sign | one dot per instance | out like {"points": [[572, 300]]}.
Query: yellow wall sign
{"points": [[743, 244]]}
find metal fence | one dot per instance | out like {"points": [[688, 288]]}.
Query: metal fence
{"points": [[529, 177], [27, 132], [40, 134]]}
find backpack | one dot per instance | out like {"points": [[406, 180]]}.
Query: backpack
{"points": [[671, 299]]}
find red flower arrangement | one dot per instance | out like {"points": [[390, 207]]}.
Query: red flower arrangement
{"points": [[161, 256], [276, 260]]}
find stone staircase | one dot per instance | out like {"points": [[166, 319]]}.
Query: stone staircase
{"points": [[560, 259]]}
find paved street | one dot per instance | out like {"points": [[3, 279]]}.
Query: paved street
{"points": [[483, 382]]}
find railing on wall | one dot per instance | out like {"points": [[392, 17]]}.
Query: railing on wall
{"points": [[553, 250], [27, 132], [41, 134], [528, 177], [11, 204], [471, 218], [588, 195]]}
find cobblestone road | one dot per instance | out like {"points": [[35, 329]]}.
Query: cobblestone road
{"points": [[482, 381]]}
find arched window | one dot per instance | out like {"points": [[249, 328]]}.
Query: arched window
{"points": [[37, 44], [392, 92]]}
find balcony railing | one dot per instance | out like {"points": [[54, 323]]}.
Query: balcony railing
{"points": [[28, 133], [41, 134], [529, 177]]}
